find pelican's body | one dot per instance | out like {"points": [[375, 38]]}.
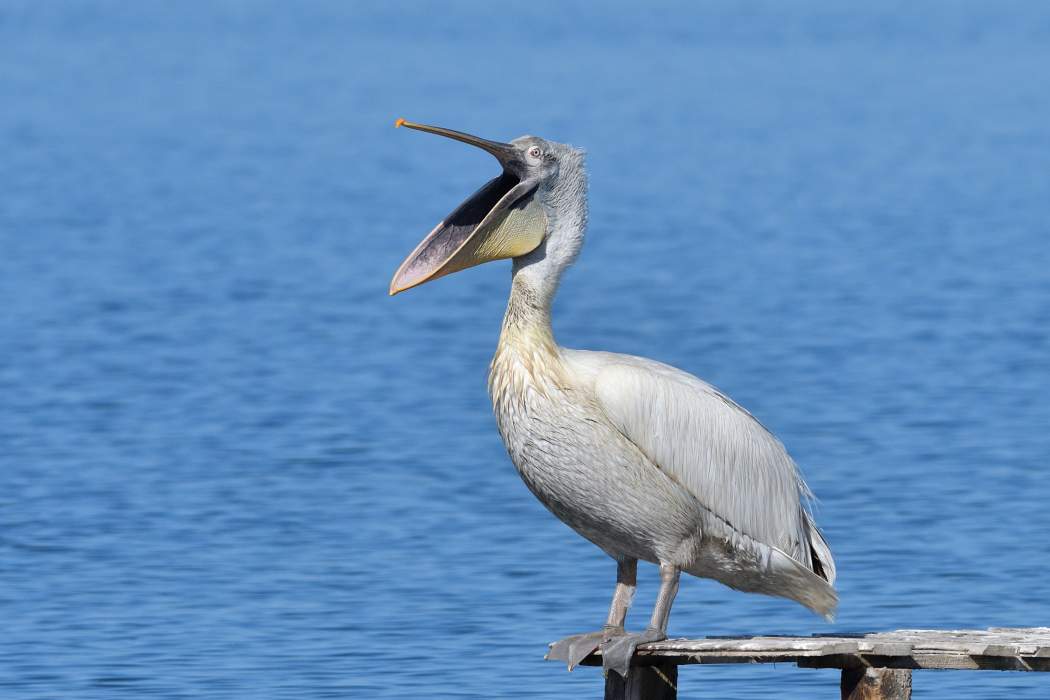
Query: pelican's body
{"points": [[646, 461], [563, 413]]}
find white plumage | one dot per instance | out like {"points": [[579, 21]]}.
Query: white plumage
{"points": [[686, 476], [646, 461]]}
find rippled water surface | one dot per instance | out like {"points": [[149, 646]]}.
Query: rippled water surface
{"points": [[232, 466]]}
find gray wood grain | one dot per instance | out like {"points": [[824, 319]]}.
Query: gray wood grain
{"points": [[996, 649]]}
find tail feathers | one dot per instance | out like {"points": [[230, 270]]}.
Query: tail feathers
{"points": [[799, 583], [752, 567]]}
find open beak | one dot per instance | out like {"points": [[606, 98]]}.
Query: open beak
{"points": [[501, 220]]}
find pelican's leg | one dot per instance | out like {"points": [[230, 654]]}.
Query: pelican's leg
{"points": [[617, 653], [576, 648]]}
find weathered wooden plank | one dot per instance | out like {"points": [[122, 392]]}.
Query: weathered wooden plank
{"points": [[997, 648], [956, 662]]}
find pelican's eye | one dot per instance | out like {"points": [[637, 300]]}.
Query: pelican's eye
{"points": [[534, 154]]}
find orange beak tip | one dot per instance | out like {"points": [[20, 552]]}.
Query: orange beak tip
{"points": [[398, 123]]}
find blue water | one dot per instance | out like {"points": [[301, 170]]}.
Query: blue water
{"points": [[232, 466]]}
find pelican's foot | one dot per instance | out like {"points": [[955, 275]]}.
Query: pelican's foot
{"points": [[617, 653], [572, 650]]}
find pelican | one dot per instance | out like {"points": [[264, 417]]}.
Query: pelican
{"points": [[644, 460]]}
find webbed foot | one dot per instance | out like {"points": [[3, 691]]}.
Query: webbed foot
{"points": [[578, 647], [617, 653]]}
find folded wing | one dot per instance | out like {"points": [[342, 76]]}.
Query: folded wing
{"points": [[717, 451]]}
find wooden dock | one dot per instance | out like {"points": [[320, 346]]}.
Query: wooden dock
{"points": [[874, 666]]}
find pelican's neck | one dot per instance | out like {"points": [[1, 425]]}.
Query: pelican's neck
{"points": [[528, 317], [527, 358]]}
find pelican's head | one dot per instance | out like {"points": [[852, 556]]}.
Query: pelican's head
{"points": [[541, 191]]}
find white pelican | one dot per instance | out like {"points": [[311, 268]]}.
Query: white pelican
{"points": [[642, 459]]}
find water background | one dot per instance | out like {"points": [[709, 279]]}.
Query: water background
{"points": [[232, 466]]}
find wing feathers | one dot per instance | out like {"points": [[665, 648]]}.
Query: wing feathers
{"points": [[717, 451]]}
